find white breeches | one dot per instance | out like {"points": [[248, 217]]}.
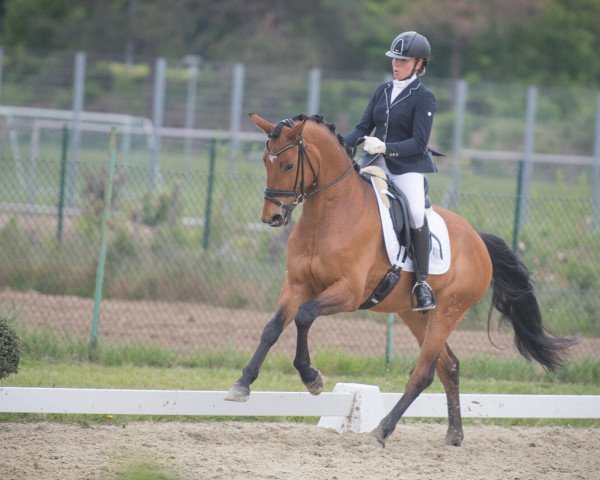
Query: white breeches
{"points": [[412, 185]]}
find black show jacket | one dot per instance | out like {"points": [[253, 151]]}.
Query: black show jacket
{"points": [[404, 126]]}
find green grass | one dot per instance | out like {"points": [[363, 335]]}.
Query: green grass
{"points": [[480, 376], [51, 362], [477, 376], [42, 347]]}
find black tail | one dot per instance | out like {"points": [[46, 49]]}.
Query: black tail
{"points": [[513, 296]]}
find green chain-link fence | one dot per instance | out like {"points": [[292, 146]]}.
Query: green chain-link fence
{"points": [[190, 267]]}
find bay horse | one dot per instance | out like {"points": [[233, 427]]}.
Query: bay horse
{"points": [[336, 257]]}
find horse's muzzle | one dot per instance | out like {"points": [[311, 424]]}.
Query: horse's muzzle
{"points": [[275, 220]]}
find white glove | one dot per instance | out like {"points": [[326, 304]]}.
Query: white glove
{"points": [[373, 145]]}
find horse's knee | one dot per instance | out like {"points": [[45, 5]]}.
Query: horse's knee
{"points": [[423, 379], [273, 329], [306, 315]]}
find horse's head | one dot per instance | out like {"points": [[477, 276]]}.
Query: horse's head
{"points": [[290, 174]]}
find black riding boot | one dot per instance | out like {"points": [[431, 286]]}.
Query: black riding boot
{"points": [[421, 297]]}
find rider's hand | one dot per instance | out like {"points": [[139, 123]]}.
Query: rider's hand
{"points": [[373, 145]]}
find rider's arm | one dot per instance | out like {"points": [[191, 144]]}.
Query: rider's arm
{"points": [[366, 124]]}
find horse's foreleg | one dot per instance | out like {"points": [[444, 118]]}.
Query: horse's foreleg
{"points": [[311, 377], [336, 298], [240, 391], [447, 369]]}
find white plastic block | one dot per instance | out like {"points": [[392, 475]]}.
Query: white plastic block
{"points": [[366, 411]]}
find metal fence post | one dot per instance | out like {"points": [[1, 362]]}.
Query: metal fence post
{"points": [[1, 71], [209, 193], [126, 143], [518, 207], [33, 160], [389, 344], [78, 93], [193, 63], [596, 171], [112, 147], [525, 166], [158, 107], [314, 91], [61, 187], [237, 99], [460, 105]]}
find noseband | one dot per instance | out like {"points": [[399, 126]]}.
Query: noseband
{"points": [[300, 196]]}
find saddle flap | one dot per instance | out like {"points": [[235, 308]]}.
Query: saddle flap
{"points": [[380, 180], [393, 199]]}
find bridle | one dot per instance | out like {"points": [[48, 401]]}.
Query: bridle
{"points": [[300, 196]]}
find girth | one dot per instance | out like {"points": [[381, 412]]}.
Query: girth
{"points": [[386, 285]]}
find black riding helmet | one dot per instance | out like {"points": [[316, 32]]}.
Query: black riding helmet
{"points": [[410, 45]]}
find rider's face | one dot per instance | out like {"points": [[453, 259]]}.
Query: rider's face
{"points": [[403, 67]]}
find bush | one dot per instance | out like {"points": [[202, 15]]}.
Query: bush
{"points": [[10, 348], [162, 207]]}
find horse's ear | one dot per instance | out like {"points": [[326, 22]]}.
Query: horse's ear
{"points": [[261, 123], [297, 129]]}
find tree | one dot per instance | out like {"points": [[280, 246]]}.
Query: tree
{"points": [[38, 24], [454, 27], [491, 39], [557, 47], [308, 33]]}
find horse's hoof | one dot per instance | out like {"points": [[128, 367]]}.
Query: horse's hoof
{"points": [[316, 386], [454, 438], [378, 435], [238, 393]]}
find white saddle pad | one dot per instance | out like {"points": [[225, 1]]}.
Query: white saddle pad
{"points": [[439, 258]]}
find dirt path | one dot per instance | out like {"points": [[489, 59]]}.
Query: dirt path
{"points": [[243, 450], [187, 327]]}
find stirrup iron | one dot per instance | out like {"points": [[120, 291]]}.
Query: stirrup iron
{"points": [[414, 301]]}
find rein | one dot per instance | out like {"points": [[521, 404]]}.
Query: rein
{"points": [[299, 196]]}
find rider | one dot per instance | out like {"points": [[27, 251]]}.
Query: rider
{"points": [[401, 113]]}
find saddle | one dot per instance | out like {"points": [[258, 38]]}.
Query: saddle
{"points": [[397, 203]]}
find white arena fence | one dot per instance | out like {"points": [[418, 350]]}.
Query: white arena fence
{"points": [[350, 407]]}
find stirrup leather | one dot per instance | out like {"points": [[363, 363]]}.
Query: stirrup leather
{"points": [[413, 300]]}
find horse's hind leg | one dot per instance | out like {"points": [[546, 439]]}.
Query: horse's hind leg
{"points": [[447, 369], [431, 333]]}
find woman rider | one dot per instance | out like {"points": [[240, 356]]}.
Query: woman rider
{"points": [[401, 114]]}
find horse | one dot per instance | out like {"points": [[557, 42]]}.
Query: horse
{"points": [[336, 258]]}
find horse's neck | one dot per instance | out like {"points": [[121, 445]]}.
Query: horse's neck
{"points": [[341, 199], [336, 206]]}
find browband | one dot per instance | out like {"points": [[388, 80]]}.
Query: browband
{"points": [[288, 122]]}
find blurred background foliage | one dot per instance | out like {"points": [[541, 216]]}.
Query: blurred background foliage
{"points": [[549, 42]]}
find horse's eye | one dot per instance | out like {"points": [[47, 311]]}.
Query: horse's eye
{"points": [[288, 166]]}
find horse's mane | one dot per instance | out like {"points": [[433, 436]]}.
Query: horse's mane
{"points": [[314, 118]]}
